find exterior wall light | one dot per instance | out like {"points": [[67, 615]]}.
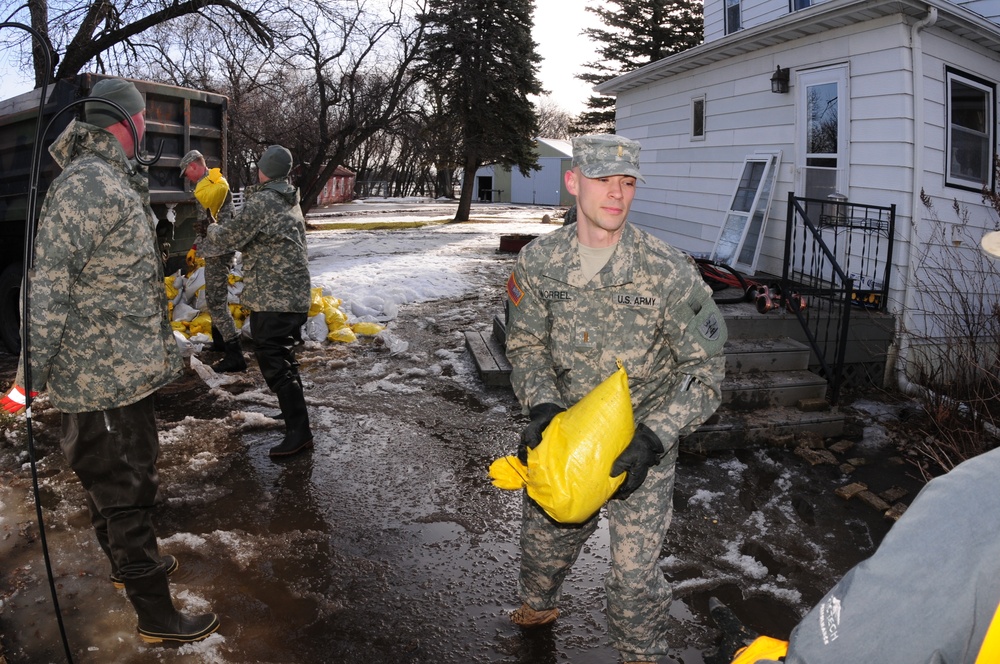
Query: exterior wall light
{"points": [[779, 81]]}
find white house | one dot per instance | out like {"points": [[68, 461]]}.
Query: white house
{"points": [[545, 186], [885, 101]]}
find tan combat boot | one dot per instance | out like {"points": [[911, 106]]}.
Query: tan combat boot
{"points": [[525, 616]]}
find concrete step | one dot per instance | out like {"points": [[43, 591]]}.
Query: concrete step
{"points": [[729, 429], [780, 354], [763, 389]]}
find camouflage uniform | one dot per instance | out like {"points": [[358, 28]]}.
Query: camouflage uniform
{"points": [[99, 330], [271, 232], [217, 266], [100, 339], [649, 308]]}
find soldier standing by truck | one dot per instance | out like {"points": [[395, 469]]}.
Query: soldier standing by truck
{"points": [[212, 191], [101, 346]]}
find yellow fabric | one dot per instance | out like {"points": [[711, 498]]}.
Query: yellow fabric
{"points": [[201, 323], [764, 647], [367, 329], [211, 191], [989, 652], [315, 301], [569, 472]]}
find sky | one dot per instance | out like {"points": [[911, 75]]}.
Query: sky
{"points": [[564, 50]]}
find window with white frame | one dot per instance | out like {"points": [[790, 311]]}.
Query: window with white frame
{"points": [[971, 144], [698, 118], [733, 19]]}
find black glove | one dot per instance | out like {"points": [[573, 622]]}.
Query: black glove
{"points": [[641, 454], [541, 415]]}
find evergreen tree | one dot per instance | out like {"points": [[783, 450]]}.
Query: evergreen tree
{"points": [[479, 54], [638, 32]]}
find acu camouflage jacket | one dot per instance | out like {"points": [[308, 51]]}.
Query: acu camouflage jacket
{"points": [[649, 307], [271, 232], [98, 329]]}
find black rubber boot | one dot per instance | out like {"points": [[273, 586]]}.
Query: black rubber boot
{"points": [[218, 343], [298, 435], [233, 361], [159, 621], [170, 564]]}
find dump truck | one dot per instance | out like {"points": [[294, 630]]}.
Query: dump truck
{"points": [[181, 119]]}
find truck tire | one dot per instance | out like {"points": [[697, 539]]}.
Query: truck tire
{"points": [[10, 308]]}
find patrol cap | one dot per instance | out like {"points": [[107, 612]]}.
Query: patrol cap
{"points": [[189, 159], [276, 162], [602, 155], [118, 90]]}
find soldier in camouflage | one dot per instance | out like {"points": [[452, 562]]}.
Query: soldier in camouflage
{"points": [[271, 232], [219, 209], [101, 345], [581, 298]]}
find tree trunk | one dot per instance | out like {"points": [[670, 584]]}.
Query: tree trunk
{"points": [[468, 184]]}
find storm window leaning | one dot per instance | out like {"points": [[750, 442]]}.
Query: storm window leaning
{"points": [[971, 143]]}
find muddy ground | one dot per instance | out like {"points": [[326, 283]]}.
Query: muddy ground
{"points": [[387, 542]]}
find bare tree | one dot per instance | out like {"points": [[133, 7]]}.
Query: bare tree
{"points": [[106, 34], [553, 120]]}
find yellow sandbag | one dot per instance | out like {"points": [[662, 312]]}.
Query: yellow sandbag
{"points": [[315, 301], [343, 334], [179, 326], [569, 472], [211, 191], [764, 647], [335, 318], [171, 289], [367, 329], [201, 323]]}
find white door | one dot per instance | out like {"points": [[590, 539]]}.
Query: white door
{"points": [[538, 187], [822, 141]]}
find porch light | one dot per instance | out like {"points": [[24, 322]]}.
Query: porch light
{"points": [[779, 81]]}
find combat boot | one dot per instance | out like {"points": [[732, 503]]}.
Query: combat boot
{"points": [[525, 616], [233, 361], [298, 435], [159, 621], [218, 343]]}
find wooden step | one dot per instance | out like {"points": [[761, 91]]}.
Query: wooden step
{"points": [[748, 391], [490, 358], [729, 429], [781, 354]]}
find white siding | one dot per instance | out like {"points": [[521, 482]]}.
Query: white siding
{"points": [[538, 187], [753, 13]]}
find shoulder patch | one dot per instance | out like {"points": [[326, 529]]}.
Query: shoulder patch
{"points": [[710, 327], [514, 291]]}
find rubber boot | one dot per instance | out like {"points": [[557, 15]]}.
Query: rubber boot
{"points": [[218, 343], [298, 436], [159, 621], [170, 564], [233, 361]]}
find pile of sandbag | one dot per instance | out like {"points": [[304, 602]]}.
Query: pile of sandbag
{"points": [[192, 322]]}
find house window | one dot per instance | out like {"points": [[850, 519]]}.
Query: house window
{"points": [[698, 119], [970, 132], [795, 5], [821, 153], [733, 22]]}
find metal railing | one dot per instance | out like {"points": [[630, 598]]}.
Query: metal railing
{"points": [[838, 255]]}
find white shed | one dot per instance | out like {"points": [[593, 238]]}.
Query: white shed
{"points": [[538, 187]]}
